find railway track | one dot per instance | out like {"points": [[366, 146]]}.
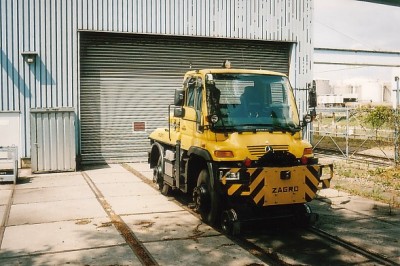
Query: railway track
{"points": [[273, 242], [281, 243], [136, 246], [371, 255], [360, 158]]}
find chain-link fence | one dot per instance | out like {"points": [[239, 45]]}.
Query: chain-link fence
{"points": [[349, 132]]}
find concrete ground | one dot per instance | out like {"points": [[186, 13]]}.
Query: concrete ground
{"points": [[57, 219], [69, 218]]}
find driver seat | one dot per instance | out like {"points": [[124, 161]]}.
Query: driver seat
{"points": [[250, 101]]}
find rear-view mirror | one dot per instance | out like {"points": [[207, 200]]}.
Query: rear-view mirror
{"points": [[178, 100], [312, 95]]}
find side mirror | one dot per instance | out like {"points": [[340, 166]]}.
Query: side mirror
{"points": [[179, 112], [178, 99], [307, 119], [312, 95]]}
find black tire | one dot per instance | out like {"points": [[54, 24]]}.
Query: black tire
{"points": [[209, 205], [229, 223], [158, 177], [226, 223], [166, 189], [304, 216]]}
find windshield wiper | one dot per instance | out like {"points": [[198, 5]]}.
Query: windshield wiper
{"points": [[259, 127], [287, 127], [272, 127]]}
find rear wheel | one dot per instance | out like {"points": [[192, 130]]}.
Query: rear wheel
{"points": [[158, 177], [206, 199]]}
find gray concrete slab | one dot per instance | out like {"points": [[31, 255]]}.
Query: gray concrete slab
{"points": [[2, 211], [107, 178], [332, 193], [4, 196], [44, 212], [59, 236], [142, 204], [168, 226], [46, 194], [367, 207], [361, 221], [143, 168], [126, 189], [105, 169], [99, 256], [216, 250], [356, 228], [5, 185], [53, 180]]}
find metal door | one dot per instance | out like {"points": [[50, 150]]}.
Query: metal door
{"points": [[53, 140]]}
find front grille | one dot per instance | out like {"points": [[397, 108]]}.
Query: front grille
{"points": [[259, 150]]}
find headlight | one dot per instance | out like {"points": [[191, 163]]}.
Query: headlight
{"points": [[229, 175]]}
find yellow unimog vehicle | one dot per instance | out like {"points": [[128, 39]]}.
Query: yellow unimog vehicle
{"points": [[234, 141]]}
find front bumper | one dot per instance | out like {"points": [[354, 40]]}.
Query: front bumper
{"points": [[269, 186]]}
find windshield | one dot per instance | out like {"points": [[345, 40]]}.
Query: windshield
{"points": [[252, 102]]}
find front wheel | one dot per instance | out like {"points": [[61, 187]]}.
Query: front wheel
{"points": [[206, 200], [158, 177]]}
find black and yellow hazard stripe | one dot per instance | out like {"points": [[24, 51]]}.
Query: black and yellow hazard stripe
{"points": [[312, 181], [254, 188], [308, 177]]}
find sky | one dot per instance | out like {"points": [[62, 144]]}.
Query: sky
{"points": [[356, 25], [350, 24]]}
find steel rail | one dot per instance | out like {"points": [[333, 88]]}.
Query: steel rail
{"points": [[184, 201], [269, 256], [362, 158], [376, 257], [137, 247]]}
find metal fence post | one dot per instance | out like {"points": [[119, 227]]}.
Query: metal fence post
{"points": [[396, 130], [347, 132]]}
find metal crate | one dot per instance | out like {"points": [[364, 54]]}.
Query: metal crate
{"points": [[9, 164]]}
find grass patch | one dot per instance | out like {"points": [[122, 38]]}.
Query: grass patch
{"points": [[377, 183]]}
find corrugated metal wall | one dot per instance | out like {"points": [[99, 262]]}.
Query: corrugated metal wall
{"points": [[246, 19], [51, 27]]}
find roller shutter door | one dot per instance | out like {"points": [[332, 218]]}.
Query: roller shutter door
{"points": [[127, 82]]}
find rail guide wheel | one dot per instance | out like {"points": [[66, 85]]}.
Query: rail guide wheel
{"points": [[304, 216], [230, 224]]}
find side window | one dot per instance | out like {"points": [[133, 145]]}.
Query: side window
{"points": [[198, 103], [199, 98], [190, 93]]}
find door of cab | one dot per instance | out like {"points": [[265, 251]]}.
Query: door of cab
{"points": [[191, 122]]}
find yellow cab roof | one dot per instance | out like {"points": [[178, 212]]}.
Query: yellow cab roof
{"points": [[234, 70]]}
